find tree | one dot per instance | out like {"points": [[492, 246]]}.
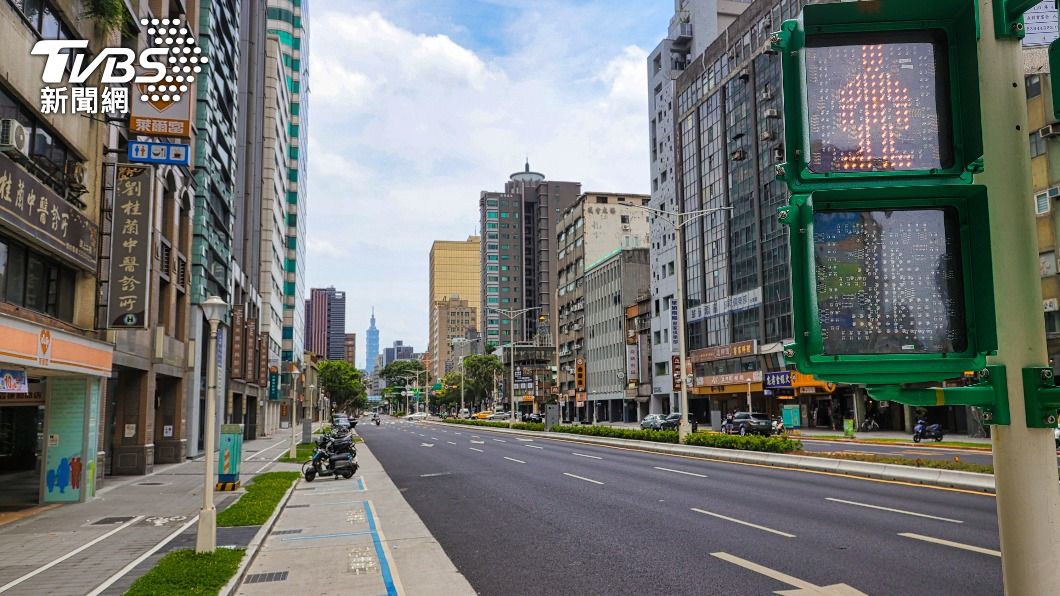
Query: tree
{"points": [[397, 369], [343, 384], [481, 372]]}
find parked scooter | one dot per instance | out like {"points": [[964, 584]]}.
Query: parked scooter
{"points": [[334, 456], [923, 430]]}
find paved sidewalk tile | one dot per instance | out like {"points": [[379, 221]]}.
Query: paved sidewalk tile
{"points": [[356, 536]]}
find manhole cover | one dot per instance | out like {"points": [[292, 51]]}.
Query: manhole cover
{"points": [[106, 521]]}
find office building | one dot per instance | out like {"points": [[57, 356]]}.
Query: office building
{"points": [[399, 351], [349, 349], [371, 355], [586, 233], [451, 318], [455, 270], [695, 24], [325, 329], [612, 283], [519, 258]]}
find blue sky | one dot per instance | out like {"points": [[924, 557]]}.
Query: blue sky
{"points": [[418, 105]]}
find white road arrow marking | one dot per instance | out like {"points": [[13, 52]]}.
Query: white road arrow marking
{"points": [[805, 588], [426, 444]]}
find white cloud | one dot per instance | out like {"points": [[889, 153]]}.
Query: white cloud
{"points": [[406, 129]]}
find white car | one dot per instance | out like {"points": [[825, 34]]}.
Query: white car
{"points": [[417, 416]]}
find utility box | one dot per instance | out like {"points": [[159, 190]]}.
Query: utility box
{"points": [[551, 416], [229, 455]]}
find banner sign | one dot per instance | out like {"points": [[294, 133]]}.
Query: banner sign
{"points": [[729, 304], [263, 359], [130, 255], [753, 376], [778, 379], [274, 382], [632, 363], [675, 368], [251, 355], [13, 381], [36, 211], [1040, 24], [736, 350], [238, 345], [674, 330]]}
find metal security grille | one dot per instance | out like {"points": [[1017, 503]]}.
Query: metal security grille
{"points": [[261, 578], [285, 532]]}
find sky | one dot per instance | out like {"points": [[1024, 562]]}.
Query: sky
{"points": [[416, 106]]}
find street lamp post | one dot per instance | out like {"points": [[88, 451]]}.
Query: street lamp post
{"points": [[293, 453], [511, 314], [307, 421], [215, 309], [679, 222]]}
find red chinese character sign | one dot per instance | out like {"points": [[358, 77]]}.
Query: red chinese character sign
{"points": [[129, 284]]}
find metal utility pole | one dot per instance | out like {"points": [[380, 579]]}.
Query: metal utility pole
{"points": [[511, 314], [679, 222], [1028, 496]]}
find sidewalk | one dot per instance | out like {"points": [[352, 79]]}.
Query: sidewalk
{"points": [[73, 549], [356, 536]]}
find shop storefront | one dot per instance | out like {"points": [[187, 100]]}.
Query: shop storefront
{"points": [[52, 383]]}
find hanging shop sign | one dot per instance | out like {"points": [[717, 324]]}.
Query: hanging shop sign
{"points": [[736, 350], [130, 257], [238, 345], [39, 215]]}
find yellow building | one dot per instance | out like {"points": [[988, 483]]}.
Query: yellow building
{"points": [[455, 271]]}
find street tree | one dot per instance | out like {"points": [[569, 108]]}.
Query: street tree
{"points": [[343, 384]]}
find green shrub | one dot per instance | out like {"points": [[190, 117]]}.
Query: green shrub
{"points": [[537, 426], [935, 464], [744, 443], [658, 436]]}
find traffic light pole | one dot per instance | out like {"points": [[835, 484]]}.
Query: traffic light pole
{"points": [[1028, 496]]}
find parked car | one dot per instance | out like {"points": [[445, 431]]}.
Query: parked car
{"points": [[341, 422], [533, 417], [464, 413], [483, 415], [417, 416], [748, 423], [499, 416], [671, 422], [652, 421]]}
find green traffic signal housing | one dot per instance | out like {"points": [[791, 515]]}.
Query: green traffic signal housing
{"points": [[890, 239]]}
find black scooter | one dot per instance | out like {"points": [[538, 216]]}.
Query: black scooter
{"points": [[334, 456], [923, 430]]}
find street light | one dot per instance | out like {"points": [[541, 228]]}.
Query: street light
{"points": [[678, 223], [307, 421], [215, 309], [293, 454], [511, 314]]}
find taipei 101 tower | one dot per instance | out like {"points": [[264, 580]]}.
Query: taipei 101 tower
{"points": [[372, 351]]}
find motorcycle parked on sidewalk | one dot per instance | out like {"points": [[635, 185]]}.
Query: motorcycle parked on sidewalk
{"points": [[923, 430], [334, 456]]}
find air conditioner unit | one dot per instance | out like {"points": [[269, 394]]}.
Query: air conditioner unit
{"points": [[772, 113], [739, 155], [767, 94], [14, 140], [778, 153], [766, 135], [1049, 130], [626, 227]]}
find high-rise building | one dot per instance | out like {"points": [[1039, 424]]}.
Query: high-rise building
{"points": [[591, 230], [451, 319], [519, 258], [371, 352], [289, 21], [455, 270], [325, 328], [695, 24], [350, 349], [399, 351]]}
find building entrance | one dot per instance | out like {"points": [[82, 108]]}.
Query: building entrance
{"points": [[21, 447]]}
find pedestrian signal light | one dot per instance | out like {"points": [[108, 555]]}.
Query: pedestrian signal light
{"points": [[890, 243]]}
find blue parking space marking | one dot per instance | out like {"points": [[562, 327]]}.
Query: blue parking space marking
{"points": [[384, 565]]}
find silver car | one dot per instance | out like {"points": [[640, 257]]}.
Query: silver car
{"points": [[652, 422]]}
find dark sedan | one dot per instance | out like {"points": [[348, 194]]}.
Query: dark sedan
{"points": [[748, 423]]}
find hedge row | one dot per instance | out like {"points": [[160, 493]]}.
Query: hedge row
{"points": [[658, 436], [745, 443], [497, 424]]}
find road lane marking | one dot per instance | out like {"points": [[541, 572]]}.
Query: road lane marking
{"points": [[743, 523], [426, 444], [478, 442], [581, 477], [473, 449], [968, 547], [913, 513], [434, 438], [681, 472], [533, 446], [803, 586], [525, 440], [69, 555], [271, 461], [125, 570], [583, 455], [500, 440], [518, 461], [456, 433], [434, 475], [451, 443]]}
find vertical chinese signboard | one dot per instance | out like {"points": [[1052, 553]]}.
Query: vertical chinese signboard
{"points": [[130, 255], [238, 330], [252, 344], [263, 360], [675, 368]]}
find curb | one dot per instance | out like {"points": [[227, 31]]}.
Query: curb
{"points": [[255, 544], [927, 476], [882, 444]]}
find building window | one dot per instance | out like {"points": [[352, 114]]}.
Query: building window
{"points": [[32, 280], [1037, 144], [1043, 201], [1034, 86]]}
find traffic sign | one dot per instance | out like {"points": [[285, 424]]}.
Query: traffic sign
{"points": [[177, 154]]}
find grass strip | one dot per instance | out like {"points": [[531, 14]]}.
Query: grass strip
{"points": [[259, 500], [886, 441], [185, 572], [935, 464]]}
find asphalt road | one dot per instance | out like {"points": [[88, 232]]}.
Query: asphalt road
{"points": [[540, 516]]}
